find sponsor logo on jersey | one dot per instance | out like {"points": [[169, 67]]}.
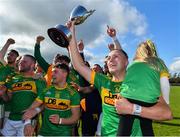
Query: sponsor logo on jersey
{"points": [[26, 85], [108, 98], [54, 103]]}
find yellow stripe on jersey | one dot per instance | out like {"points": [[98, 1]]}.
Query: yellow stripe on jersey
{"points": [[75, 106], [48, 75], [116, 80], [65, 86], [92, 77], [164, 74], [38, 100], [83, 104], [2, 82], [9, 90]]}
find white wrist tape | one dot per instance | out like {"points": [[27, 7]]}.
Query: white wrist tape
{"points": [[28, 121], [81, 51], [60, 121], [38, 109], [34, 122], [137, 110]]}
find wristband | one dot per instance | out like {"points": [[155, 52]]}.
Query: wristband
{"points": [[60, 121], [27, 122], [34, 122], [38, 109], [81, 51], [137, 110]]}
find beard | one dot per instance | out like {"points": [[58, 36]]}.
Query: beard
{"points": [[25, 69], [9, 61]]}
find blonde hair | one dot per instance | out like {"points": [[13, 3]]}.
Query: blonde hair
{"points": [[146, 50]]}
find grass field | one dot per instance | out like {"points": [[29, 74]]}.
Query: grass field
{"points": [[170, 128]]}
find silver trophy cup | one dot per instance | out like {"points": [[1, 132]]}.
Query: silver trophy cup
{"points": [[60, 34]]}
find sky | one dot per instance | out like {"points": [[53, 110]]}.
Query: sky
{"points": [[134, 20]]}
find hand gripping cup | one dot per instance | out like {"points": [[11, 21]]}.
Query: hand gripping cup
{"points": [[60, 34]]}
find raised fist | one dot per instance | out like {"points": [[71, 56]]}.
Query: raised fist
{"points": [[10, 41], [39, 39], [76, 86], [111, 31], [111, 46], [81, 45], [70, 26]]}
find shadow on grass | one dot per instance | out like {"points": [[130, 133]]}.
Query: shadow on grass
{"points": [[170, 124], [176, 117]]}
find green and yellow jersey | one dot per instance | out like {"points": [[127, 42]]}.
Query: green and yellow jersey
{"points": [[6, 72], [1, 64], [72, 77], [58, 101], [2, 78], [24, 90], [109, 91], [142, 80]]}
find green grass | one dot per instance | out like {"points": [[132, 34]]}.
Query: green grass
{"points": [[172, 127]]}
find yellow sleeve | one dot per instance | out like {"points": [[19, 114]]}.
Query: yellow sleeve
{"points": [[164, 74], [39, 100], [2, 82], [92, 77]]}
